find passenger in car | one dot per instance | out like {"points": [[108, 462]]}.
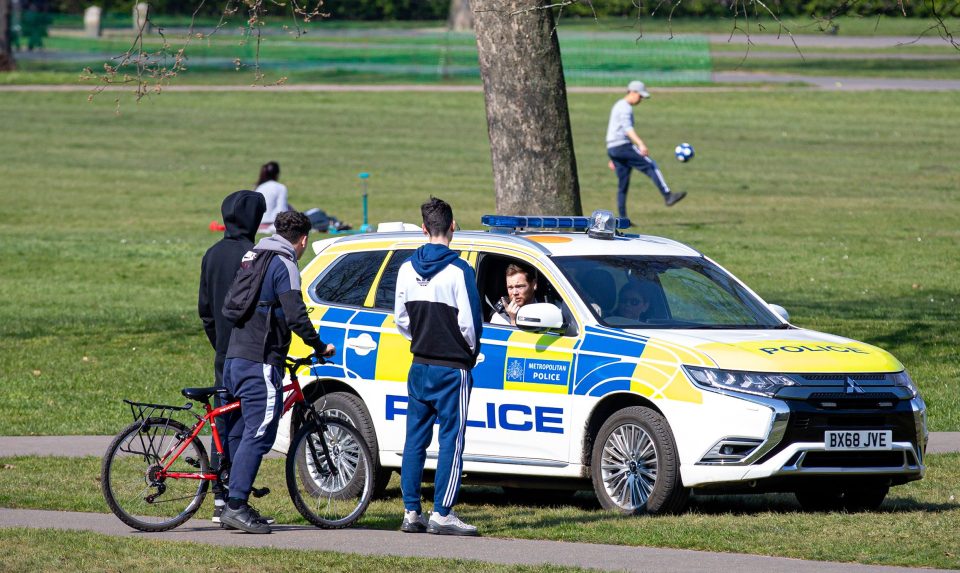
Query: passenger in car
{"points": [[633, 303], [521, 288]]}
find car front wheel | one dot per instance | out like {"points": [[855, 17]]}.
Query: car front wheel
{"points": [[346, 406], [634, 464]]}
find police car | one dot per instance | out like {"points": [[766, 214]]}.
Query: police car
{"points": [[704, 388]]}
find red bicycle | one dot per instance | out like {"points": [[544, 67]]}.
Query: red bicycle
{"points": [[156, 472]]}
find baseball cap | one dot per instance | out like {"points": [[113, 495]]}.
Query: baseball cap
{"points": [[639, 87]]}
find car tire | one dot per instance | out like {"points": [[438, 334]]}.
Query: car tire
{"points": [[853, 500], [351, 408], [634, 464]]}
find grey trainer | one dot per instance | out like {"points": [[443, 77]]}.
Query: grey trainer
{"points": [[449, 525], [413, 522], [674, 198]]}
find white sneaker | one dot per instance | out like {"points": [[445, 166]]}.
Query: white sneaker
{"points": [[413, 522], [449, 525]]}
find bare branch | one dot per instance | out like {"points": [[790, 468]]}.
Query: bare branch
{"points": [[560, 5]]}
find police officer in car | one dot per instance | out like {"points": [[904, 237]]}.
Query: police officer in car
{"points": [[521, 288]]}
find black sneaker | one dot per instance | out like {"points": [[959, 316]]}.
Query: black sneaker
{"points": [[217, 512], [673, 198], [244, 519], [269, 520]]}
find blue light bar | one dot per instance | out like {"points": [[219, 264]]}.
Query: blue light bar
{"points": [[543, 222]]}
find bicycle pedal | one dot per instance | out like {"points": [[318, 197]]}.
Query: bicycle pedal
{"points": [[192, 462], [259, 492]]}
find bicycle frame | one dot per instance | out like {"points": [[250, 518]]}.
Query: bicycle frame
{"points": [[295, 396]]}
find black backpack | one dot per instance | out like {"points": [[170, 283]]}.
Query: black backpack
{"points": [[243, 296]]}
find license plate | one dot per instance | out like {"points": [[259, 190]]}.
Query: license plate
{"points": [[858, 440]]}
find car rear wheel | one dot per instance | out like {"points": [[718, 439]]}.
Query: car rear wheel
{"points": [[346, 406], [634, 464]]}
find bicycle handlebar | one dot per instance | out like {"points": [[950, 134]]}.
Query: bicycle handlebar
{"points": [[312, 360]]}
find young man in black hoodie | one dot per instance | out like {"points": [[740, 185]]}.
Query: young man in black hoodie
{"points": [[242, 212], [437, 308], [253, 372]]}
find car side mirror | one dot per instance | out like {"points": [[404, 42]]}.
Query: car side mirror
{"points": [[539, 317], [781, 312]]}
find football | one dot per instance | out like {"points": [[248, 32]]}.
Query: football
{"points": [[684, 152]]}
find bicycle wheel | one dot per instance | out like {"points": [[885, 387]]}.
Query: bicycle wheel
{"points": [[129, 478], [332, 491]]}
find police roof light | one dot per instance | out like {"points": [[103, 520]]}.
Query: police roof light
{"points": [[516, 222], [602, 225]]}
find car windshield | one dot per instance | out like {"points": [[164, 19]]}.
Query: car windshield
{"points": [[664, 292]]}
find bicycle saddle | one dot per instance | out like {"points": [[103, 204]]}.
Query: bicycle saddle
{"points": [[202, 394]]}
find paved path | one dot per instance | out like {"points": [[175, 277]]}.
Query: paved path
{"points": [[77, 446], [837, 83], [488, 549], [795, 55], [827, 83]]}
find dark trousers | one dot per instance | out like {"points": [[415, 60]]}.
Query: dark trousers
{"points": [[251, 431], [436, 393], [626, 158], [217, 460]]}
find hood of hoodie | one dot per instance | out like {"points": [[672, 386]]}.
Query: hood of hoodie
{"points": [[242, 212], [430, 259], [278, 244]]}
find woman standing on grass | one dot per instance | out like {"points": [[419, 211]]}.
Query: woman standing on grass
{"points": [[274, 192]]}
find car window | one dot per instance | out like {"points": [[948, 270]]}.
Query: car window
{"points": [[387, 287], [692, 297], [664, 292], [349, 279]]}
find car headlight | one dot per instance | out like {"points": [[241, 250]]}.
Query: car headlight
{"points": [[903, 379], [747, 382]]}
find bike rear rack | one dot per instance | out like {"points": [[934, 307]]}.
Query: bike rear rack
{"points": [[143, 411]]}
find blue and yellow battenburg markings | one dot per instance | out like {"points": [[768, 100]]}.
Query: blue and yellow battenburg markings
{"points": [[607, 360]]}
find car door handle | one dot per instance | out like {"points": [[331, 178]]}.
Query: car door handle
{"points": [[362, 344]]}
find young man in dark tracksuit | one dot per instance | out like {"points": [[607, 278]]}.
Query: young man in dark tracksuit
{"points": [[627, 151], [437, 308], [253, 372], [242, 212]]}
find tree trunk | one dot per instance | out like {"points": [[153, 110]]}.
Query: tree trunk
{"points": [[7, 62], [531, 144], [460, 18]]}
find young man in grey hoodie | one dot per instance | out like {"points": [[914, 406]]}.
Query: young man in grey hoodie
{"points": [[253, 372], [437, 308]]}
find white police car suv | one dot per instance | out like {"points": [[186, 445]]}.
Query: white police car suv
{"points": [[645, 368]]}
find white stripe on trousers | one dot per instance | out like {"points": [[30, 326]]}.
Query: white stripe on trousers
{"points": [[657, 170], [271, 399], [454, 479]]}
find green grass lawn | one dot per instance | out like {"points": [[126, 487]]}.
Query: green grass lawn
{"points": [[30, 550], [917, 525], [841, 207]]}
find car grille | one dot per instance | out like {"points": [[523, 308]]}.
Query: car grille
{"points": [[809, 420], [854, 460]]}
